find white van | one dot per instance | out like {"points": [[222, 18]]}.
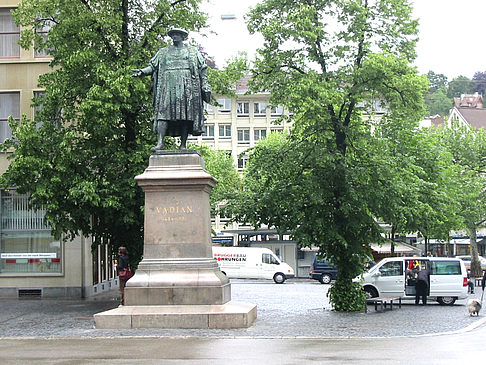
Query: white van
{"points": [[394, 277], [252, 263]]}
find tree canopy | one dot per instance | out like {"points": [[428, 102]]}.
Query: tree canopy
{"points": [[467, 148], [330, 63], [95, 119]]}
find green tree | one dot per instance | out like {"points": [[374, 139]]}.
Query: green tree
{"points": [[414, 181], [96, 119], [436, 97], [330, 62], [468, 150], [459, 85], [438, 102], [436, 81], [220, 165], [479, 82]]}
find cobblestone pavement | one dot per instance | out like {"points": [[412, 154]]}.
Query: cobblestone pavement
{"points": [[298, 308]]}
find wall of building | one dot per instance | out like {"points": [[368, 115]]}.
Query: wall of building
{"points": [[73, 276]]}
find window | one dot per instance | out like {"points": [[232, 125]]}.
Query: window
{"points": [[26, 244], [209, 108], [38, 99], [276, 130], [243, 109], [9, 106], [269, 259], [259, 109], [224, 105], [9, 35], [276, 111], [225, 131], [392, 268], [445, 268], [242, 162], [208, 132], [244, 135], [41, 50], [259, 134]]}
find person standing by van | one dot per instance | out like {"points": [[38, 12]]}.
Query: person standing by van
{"points": [[422, 286]]}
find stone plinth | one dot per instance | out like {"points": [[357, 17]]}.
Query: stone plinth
{"points": [[177, 284], [229, 315]]}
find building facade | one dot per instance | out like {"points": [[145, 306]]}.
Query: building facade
{"points": [[32, 262]]}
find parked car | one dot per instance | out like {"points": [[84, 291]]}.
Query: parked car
{"points": [[467, 261], [394, 277], [323, 271]]}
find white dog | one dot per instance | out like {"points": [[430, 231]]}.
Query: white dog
{"points": [[474, 306]]}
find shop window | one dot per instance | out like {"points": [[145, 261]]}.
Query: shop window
{"points": [[26, 244], [9, 35]]}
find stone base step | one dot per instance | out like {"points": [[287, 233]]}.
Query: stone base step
{"points": [[229, 315]]}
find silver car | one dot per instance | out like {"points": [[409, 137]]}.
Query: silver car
{"points": [[467, 261]]}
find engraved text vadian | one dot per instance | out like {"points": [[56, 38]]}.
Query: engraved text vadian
{"points": [[176, 209]]}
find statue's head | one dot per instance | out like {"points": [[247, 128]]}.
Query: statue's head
{"points": [[182, 32]]}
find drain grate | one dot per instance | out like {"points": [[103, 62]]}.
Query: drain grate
{"points": [[30, 293]]}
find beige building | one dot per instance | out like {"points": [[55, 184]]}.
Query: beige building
{"points": [[32, 262], [236, 125]]}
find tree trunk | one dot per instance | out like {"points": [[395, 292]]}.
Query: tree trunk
{"points": [[475, 264]]}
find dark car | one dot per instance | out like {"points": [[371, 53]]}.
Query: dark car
{"points": [[323, 271]]}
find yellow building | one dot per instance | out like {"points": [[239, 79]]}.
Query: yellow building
{"points": [[32, 262]]}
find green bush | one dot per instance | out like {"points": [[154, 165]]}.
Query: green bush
{"points": [[346, 296]]}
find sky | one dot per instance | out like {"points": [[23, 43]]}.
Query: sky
{"points": [[451, 34]]}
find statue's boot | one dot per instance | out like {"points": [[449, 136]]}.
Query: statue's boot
{"points": [[160, 143]]}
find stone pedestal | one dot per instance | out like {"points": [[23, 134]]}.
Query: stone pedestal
{"points": [[177, 284]]}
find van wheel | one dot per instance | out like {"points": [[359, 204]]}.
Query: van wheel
{"points": [[279, 278], [370, 292], [446, 300], [325, 279], [223, 273]]}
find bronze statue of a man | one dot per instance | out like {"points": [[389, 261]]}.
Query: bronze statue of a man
{"points": [[180, 85]]}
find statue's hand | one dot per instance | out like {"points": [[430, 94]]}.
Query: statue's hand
{"points": [[137, 72], [206, 96]]}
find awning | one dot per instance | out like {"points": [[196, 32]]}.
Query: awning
{"points": [[251, 232], [400, 247]]}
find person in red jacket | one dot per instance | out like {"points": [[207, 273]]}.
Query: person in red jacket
{"points": [[122, 263]]}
